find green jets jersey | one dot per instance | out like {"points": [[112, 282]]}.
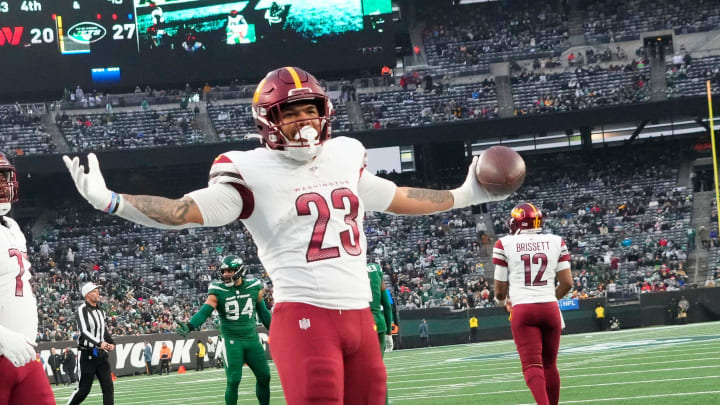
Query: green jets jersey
{"points": [[375, 275], [236, 307]]}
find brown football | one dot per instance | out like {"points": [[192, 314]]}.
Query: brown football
{"points": [[500, 170]]}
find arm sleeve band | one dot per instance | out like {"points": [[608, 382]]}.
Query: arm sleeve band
{"points": [[501, 273], [201, 316], [219, 204], [264, 314], [377, 193], [387, 310]]}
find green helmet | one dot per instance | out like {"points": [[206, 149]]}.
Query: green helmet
{"points": [[235, 264]]}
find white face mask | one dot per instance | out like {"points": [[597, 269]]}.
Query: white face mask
{"points": [[308, 148]]}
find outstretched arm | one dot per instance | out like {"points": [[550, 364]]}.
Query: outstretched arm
{"points": [[382, 195], [419, 201], [199, 318], [216, 205], [164, 211]]}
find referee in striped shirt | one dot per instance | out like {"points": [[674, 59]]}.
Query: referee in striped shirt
{"points": [[94, 344]]}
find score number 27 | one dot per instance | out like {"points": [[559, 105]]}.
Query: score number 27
{"points": [[123, 31]]}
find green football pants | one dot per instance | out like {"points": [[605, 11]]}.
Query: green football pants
{"points": [[237, 353]]}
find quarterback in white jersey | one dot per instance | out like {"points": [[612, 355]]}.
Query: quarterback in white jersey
{"points": [[22, 380], [529, 262], [302, 196]]}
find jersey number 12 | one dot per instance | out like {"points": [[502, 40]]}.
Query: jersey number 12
{"points": [[537, 258]]}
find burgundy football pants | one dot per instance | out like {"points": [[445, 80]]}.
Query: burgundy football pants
{"points": [[327, 356], [24, 385], [536, 330]]}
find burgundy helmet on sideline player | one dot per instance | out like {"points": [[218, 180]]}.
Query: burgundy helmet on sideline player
{"points": [[8, 184], [525, 216], [285, 86]]}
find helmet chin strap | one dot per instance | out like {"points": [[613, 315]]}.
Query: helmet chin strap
{"points": [[5, 208]]}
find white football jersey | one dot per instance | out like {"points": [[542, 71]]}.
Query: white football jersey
{"points": [[18, 307], [529, 262], [306, 220]]}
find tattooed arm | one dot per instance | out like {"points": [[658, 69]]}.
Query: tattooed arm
{"points": [[166, 211], [383, 195], [217, 205], [419, 201]]}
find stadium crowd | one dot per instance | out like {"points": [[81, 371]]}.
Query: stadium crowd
{"points": [[134, 129], [580, 87], [471, 35], [615, 20], [21, 131]]}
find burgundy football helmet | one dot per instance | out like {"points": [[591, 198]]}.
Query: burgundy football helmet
{"points": [[525, 216], [286, 86], [8, 184]]}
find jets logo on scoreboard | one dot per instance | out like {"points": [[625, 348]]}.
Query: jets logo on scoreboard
{"points": [[86, 32]]}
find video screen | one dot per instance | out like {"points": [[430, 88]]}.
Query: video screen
{"points": [[198, 25], [192, 26], [157, 42]]}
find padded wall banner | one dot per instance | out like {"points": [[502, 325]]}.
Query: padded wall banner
{"points": [[128, 357]]}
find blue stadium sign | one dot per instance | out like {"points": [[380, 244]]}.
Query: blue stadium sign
{"points": [[569, 304]]}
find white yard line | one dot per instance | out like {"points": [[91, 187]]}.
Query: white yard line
{"points": [[481, 393], [563, 376], [674, 394]]}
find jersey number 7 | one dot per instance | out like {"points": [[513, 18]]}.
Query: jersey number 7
{"points": [[537, 258], [18, 280]]}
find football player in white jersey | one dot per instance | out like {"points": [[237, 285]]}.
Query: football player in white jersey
{"points": [[22, 379], [529, 262], [237, 29], [302, 196]]}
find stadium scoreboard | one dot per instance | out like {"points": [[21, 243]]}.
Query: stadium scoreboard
{"points": [[50, 44]]}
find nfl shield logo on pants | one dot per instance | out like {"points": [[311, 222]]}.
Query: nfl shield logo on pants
{"points": [[304, 323]]}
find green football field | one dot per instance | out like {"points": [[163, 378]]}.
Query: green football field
{"points": [[663, 365]]}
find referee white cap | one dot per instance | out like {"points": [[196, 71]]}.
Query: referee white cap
{"points": [[87, 288]]}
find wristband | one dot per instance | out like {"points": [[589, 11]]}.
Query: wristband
{"points": [[114, 203], [500, 303]]}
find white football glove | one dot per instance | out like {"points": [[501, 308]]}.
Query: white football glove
{"points": [[91, 185], [15, 347], [471, 193], [389, 343]]}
